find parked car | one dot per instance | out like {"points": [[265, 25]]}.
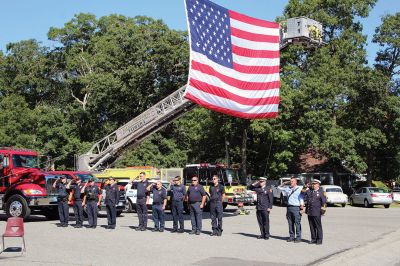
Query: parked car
{"points": [[369, 196], [396, 194], [335, 195], [131, 194]]}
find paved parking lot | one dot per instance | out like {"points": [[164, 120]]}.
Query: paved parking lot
{"points": [[353, 236]]}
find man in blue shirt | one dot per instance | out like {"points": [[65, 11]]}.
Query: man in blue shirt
{"points": [[294, 210]]}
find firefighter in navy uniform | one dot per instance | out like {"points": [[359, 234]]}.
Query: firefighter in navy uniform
{"points": [[196, 196], [159, 205], [142, 201], [315, 207], [78, 190], [112, 198], [62, 199], [178, 193], [217, 194], [265, 200], [92, 199]]}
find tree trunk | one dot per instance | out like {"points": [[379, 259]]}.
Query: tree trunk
{"points": [[370, 161]]}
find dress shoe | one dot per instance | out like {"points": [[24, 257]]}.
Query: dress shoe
{"points": [[319, 243], [138, 228], [214, 233], [143, 229], [198, 232], [161, 230], [297, 240], [174, 230], [192, 232], [180, 231], [260, 237], [290, 240], [266, 237], [154, 229], [312, 242]]}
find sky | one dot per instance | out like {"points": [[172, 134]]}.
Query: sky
{"points": [[27, 19]]}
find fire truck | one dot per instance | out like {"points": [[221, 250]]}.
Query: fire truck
{"points": [[24, 188], [229, 177]]}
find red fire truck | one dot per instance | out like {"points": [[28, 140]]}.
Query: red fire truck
{"points": [[24, 188]]}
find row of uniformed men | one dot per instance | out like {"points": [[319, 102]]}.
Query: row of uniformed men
{"points": [[196, 197]]}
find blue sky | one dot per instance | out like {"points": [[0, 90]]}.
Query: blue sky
{"points": [[26, 19]]}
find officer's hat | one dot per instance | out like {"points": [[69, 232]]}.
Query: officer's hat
{"points": [[316, 181], [63, 177], [262, 178], [91, 179], [111, 178]]}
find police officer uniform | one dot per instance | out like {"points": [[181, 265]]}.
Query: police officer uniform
{"points": [[315, 204], [195, 195], [265, 200], [141, 206], [178, 193], [92, 193], [159, 195], [216, 208], [78, 209], [111, 201], [62, 199]]}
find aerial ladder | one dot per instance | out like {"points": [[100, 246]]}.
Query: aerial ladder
{"points": [[299, 30]]}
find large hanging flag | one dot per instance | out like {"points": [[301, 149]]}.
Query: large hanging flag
{"points": [[234, 61]]}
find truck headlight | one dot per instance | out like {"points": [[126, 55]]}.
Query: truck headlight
{"points": [[32, 192]]}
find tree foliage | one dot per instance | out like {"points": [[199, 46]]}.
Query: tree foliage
{"points": [[105, 71]]}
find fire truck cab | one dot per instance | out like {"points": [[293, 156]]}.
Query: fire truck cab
{"points": [[24, 188]]}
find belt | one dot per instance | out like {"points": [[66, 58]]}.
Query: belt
{"points": [[215, 201], [192, 202], [79, 199], [156, 203], [293, 206]]}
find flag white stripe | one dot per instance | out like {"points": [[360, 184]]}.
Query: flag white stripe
{"points": [[233, 73], [251, 94], [253, 28], [248, 61], [228, 104], [255, 45]]}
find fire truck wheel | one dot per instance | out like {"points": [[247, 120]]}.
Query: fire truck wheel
{"points": [[119, 213], [224, 205], [17, 206]]}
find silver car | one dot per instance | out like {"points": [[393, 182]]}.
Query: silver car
{"points": [[369, 196]]}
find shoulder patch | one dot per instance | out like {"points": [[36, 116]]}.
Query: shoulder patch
{"points": [[324, 193]]}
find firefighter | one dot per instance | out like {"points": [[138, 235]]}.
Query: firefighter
{"points": [[141, 202], [159, 204], [178, 193], [196, 196], [78, 191], [62, 199], [265, 200], [92, 200], [112, 198], [315, 207], [217, 194]]}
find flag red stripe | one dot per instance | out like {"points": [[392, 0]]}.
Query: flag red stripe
{"points": [[254, 21], [229, 111], [256, 69], [254, 53], [253, 36], [206, 69], [214, 90]]}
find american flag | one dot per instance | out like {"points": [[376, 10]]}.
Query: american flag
{"points": [[234, 61]]}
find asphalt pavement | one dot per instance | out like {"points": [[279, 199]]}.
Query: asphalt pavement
{"points": [[352, 236]]}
